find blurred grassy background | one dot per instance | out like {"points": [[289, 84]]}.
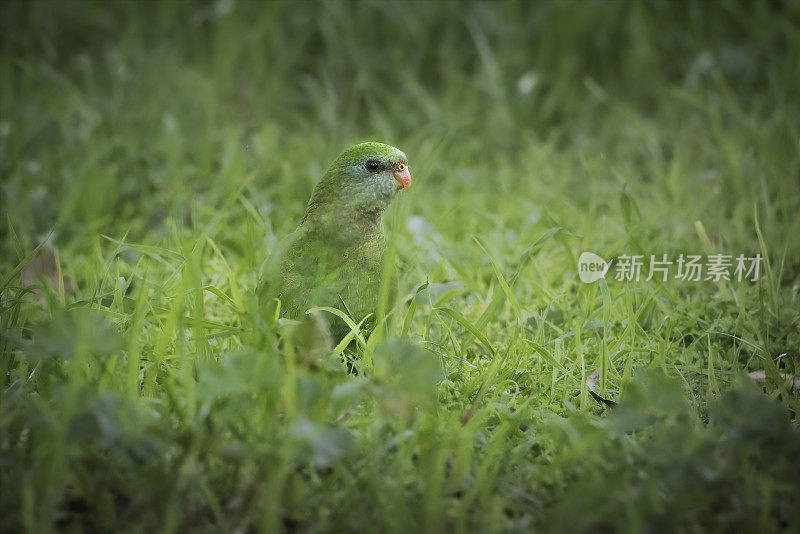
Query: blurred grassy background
{"points": [[191, 135]]}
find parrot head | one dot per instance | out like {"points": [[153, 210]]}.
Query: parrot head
{"points": [[363, 180]]}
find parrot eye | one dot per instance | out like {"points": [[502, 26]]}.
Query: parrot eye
{"points": [[401, 167], [372, 165]]}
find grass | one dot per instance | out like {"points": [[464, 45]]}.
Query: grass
{"points": [[152, 156]]}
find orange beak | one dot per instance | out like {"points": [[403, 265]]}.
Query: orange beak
{"points": [[403, 177]]}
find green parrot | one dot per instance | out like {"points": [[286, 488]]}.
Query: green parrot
{"points": [[335, 258]]}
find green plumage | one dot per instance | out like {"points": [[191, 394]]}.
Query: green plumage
{"points": [[336, 257]]}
